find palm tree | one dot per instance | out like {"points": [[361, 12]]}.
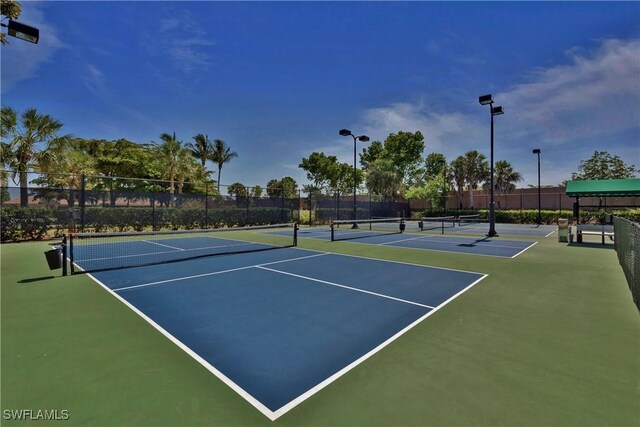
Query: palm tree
{"points": [[221, 155], [506, 177], [169, 156], [202, 150], [28, 138], [476, 170], [187, 168]]}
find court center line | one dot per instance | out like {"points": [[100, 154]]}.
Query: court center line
{"points": [[215, 272], [345, 287], [160, 244]]}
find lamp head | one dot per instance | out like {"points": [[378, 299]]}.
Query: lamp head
{"points": [[497, 111], [485, 99], [345, 132], [23, 32], [363, 138], [536, 151]]}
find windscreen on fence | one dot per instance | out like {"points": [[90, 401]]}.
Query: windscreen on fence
{"points": [[627, 244]]}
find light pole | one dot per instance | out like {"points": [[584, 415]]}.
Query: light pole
{"points": [[494, 111], [537, 151], [444, 184], [363, 138]]}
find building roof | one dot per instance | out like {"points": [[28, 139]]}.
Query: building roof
{"points": [[604, 188]]}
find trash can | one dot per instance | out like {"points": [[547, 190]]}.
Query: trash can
{"points": [[563, 230], [54, 258]]}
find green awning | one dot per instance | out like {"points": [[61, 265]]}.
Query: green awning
{"points": [[604, 188]]}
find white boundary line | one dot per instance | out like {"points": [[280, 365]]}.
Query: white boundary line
{"points": [[550, 233], [222, 377], [528, 247], [177, 279], [160, 244], [479, 242], [273, 415], [304, 396], [345, 287]]}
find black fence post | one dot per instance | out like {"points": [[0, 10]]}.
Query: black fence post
{"points": [[282, 218], [338, 205], [82, 201], [206, 205], [247, 196], [153, 209]]}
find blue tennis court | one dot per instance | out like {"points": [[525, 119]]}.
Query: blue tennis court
{"points": [[436, 242], [482, 228], [277, 326]]}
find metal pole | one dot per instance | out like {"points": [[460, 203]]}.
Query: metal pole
{"points": [[355, 175], [82, 202], [539, 198], [206, 205], [492, 219]]}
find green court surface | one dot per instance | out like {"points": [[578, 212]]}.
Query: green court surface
{"points": [[550, 338]]}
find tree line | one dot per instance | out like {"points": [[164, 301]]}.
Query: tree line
{"points": [[392, 169]]}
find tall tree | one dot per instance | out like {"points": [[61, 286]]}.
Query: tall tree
{"points": [[28, 137], [505, 177], [222, 155], [603, 165], [370, 154], [238, 190], [201, 149], [458, 173], [169, 152], [286, 187], [476, 170], [404, 149], [187, 169], [384, 179], [433, 165]]}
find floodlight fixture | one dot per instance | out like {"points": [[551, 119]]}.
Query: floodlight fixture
{"points": [[536, 151], [485, 99], [497, 110], [23, 32], [363, 138]]}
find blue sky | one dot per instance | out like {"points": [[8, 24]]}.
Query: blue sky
{"points": [[277, 80]]}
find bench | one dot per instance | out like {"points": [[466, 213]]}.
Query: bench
{"points": [[594, 230]]}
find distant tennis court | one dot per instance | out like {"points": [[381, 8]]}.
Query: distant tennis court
{"points": [[467, 245], [274, 325]]}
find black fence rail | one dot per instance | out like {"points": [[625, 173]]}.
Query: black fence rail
{"points": [[627, 244]]}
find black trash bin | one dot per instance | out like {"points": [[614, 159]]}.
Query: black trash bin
{"points": [[54, 258]]}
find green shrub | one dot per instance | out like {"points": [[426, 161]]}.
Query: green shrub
{"points": [[26, 223]]}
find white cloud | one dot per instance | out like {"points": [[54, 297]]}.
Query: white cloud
{"points": [[94, 81], [596, 92], [590, 103], [21, 60]]}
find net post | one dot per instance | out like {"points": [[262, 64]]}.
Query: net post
{"points": [[71, 254], [442, 227], [64, 254], [332, 233], [295, 234]]}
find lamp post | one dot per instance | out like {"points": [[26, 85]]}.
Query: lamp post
{"points": [[494, 111], [444, 184], [537, 151], [22, 31], [363, 138]]}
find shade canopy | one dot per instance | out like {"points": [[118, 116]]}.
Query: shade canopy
{"points": [[604, 188]]}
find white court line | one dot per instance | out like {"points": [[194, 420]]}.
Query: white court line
{"points": [[160, 244], [345, 287], [550, 233], [214, 273], [222, 377], [304, 396], [528, 247]]}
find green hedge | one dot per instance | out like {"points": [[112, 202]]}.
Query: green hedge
{"points": [[18, 224], [36, 223]]}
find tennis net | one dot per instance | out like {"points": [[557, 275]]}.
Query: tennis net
{"points": [[436, 223], [464, 220], [91, 252], [362, 228]]}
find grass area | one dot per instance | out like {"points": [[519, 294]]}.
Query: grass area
{"points": [[551, 337]]}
